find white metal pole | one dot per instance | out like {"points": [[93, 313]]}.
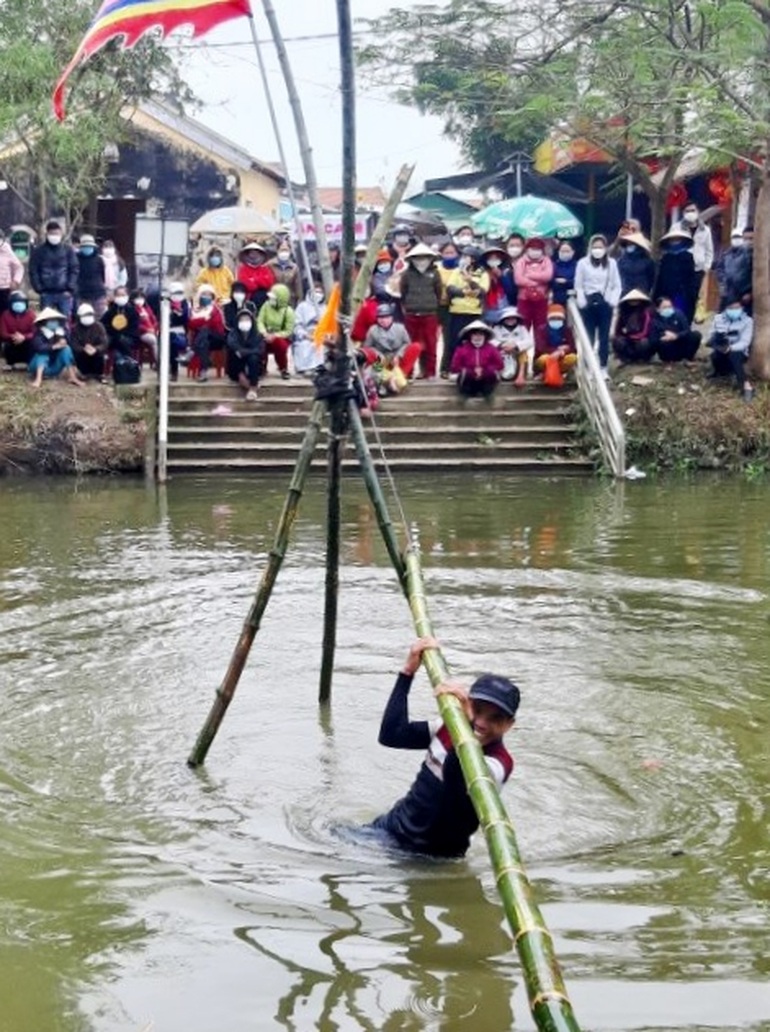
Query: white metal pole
{"points": [[163, 378]]}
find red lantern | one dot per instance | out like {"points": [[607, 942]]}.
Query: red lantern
{"points": [[677, 196], [721, 189]]}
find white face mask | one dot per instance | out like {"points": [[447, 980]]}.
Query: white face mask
{"points": [[108, 252], [565, 256], [422, 264], [239, 298], [691, 217], [535, 253], [244, 325], [177, 297], [401, 240], [515, 250], [598, 252], [121, 301], [47, 332], [87, 320], [465, 240], [283, 256], [318, 297], [54, 238], [494, 263], [383, 267], [465, 262], [139, 302]]}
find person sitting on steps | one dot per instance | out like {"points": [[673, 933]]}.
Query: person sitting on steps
{"points": [[275, 324], [516, 343], [477, 362], [206, 328], [245, 353]]}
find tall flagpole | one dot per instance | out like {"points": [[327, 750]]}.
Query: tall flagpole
{"points": [[282, 155], [305, 150]]}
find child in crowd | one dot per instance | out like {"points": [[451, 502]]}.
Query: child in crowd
{"points": [[275, 324], [436, 817], [516, 343], [477, 362], [148, 326], [388, 346]]}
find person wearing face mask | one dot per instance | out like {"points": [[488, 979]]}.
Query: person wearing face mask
{"points": [[597, 289], [17, 328], [89, 343], [533, 273], [51, 354], [303, 350], [514, 248], [477, 362], [734, 272], [466, 289], [92, 288], [564, 266], [382, 277], [449, 261], [253, 271], [179, 319], [635, 264], [286, 271], [206, 331], [401, 243], [702, 241], [670, 333], [676, 273], [464, 237], [238, 299], [516, 343], [631, 341], [115, 271], [555, 340], [495, 261], [421, 290], [275, 324], [11, 272], [217, 274], [245, 353], [53, 270], [388, 346], [121, 321], [148, 326], [730, 341]]}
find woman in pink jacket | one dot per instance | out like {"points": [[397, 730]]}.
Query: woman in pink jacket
{"points": [[11, 272], [533, 273]]}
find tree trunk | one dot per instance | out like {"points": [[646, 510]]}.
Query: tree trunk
{"points": [[657, 199], [760, 348]]}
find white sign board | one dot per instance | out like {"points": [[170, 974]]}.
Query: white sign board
{"points": [[161, 236]]}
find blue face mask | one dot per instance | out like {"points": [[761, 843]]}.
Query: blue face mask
{"points": [[555, 324], [18, 307], [450, 263], [666, 313], [52, 325], [215, 261], [206, 300], [87, 251], [733, 313], [629, 248]]}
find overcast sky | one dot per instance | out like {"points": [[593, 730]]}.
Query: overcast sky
{"points": [[223, 72]]}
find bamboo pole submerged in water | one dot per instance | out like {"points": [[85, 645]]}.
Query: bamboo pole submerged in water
{"points": [[226, 691], [332, 583], [548, 1000]]}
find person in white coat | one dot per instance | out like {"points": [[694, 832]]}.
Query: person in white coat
{"points": [[702, 241], [597, 286]]}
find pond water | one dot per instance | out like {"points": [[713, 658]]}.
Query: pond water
{"points": [[138, 893]]}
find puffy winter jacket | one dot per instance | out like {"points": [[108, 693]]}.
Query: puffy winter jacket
{"points": [[11, 269], [53, 268], [277, 318]]}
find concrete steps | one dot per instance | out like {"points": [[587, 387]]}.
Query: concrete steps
{"points": [[212, 427]]}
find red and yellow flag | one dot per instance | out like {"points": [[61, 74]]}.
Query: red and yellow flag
{"points": [[132, 18]]}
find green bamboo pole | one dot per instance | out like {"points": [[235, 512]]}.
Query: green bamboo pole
{"points": [[376, 496], [548, 1000], [332, 582], [226, 690]]}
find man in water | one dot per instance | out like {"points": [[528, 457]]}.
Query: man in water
{"points": [[436, 816]]}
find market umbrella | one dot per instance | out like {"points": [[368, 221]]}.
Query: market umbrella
{"points": [[231, 221], [528, 215]]}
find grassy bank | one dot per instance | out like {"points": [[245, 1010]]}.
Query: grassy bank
{"points": [[678, 420], [66, 429]]}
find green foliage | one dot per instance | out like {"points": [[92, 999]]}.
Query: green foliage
{"points": [[58, 168]]}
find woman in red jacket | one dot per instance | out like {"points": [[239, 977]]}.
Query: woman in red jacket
{"points": [[533, 273], [254, 273], [206, 328]]}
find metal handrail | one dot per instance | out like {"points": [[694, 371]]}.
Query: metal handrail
{"points": [[163, 374], [596, 397]]}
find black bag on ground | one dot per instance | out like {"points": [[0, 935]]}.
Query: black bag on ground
{"points": [[126, 370]]}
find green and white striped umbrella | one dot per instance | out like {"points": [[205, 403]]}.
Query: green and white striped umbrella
{"points": [[530, 216]]}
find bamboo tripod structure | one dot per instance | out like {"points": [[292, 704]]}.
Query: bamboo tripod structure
{"points": [[548, 1000]]}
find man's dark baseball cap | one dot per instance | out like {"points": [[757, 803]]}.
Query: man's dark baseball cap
{"points": [[498, 690]]}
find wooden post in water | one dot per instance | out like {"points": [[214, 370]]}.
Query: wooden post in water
{"points": [[226, 691], [551, 1007], [337, 404]]}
